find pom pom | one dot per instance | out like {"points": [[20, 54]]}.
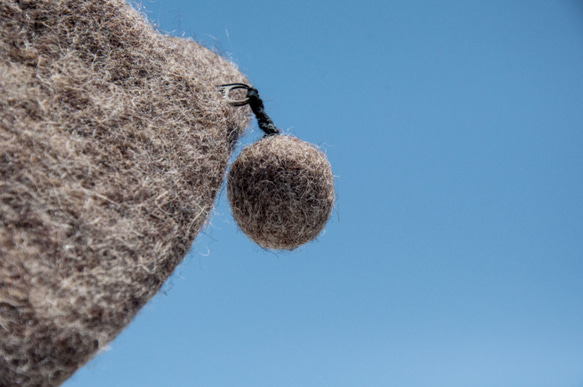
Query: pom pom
{"points": [[281, 192]]}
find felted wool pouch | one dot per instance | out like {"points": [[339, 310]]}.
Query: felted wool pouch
{"points": [[113, 144]]}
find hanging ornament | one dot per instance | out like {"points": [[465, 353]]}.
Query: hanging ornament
{"points": [[280, 188]]}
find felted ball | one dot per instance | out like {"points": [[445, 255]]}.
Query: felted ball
{"points": [[281, 192]]}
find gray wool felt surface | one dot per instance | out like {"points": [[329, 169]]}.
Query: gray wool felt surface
{"points": [[113, 144]]}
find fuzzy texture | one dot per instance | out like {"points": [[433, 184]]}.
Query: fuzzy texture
{"points": [[281, 192], [113, 144]]}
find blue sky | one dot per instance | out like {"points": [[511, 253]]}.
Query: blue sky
{"points": [[454, 256]]}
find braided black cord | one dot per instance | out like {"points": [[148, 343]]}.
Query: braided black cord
{"points": [[265, 123], [258, 109]]}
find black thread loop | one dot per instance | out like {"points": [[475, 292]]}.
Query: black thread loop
{"points": [[254, 101]]}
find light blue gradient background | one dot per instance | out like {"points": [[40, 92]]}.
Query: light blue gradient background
{"points": [[454, 256]]}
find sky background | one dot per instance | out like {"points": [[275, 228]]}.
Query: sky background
{"points": [[454, 256]]}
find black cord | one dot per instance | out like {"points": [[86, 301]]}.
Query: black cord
{"points": [[254, 101]]}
